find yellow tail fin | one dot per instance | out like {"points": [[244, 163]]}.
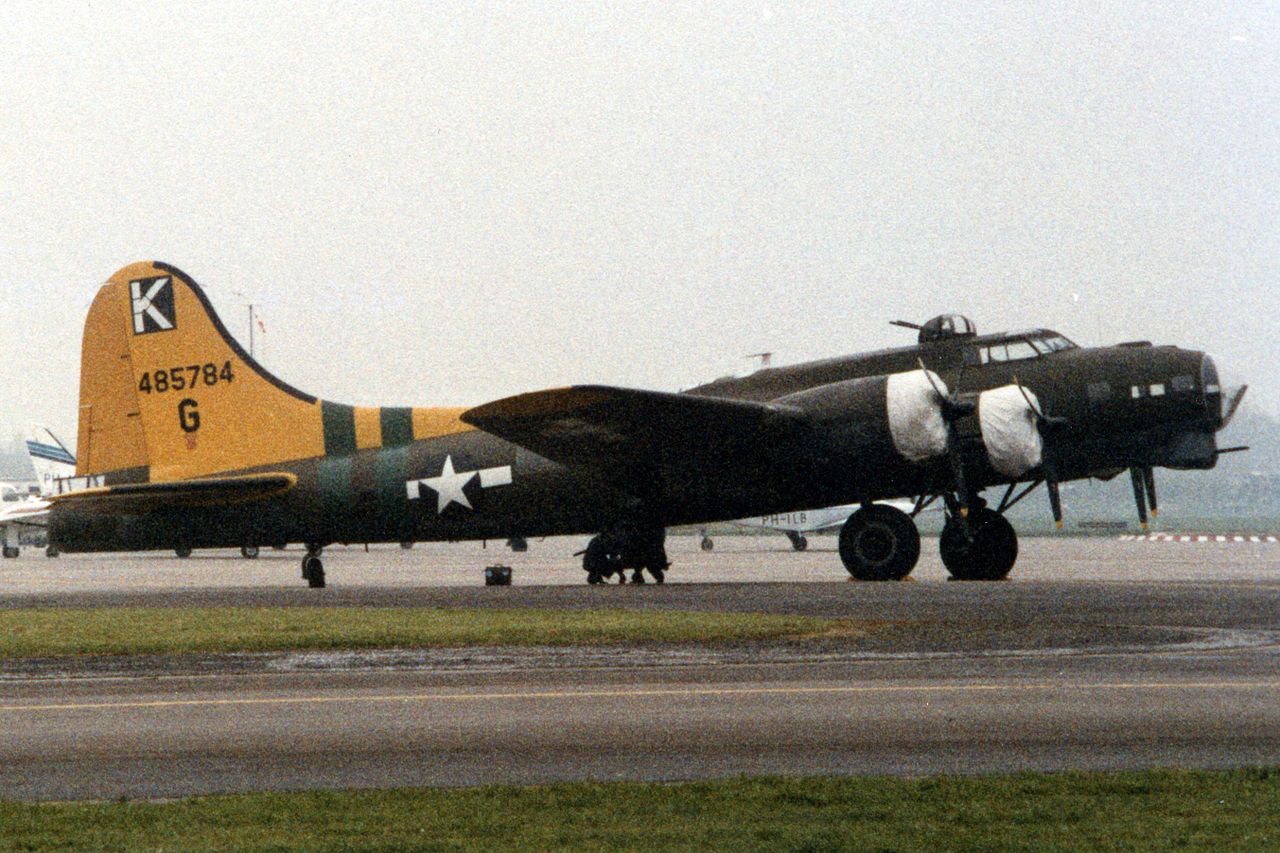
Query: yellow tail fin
{"points": [[166, 393]]}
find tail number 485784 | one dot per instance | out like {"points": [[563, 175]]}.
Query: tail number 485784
{"points": [[182, 378]]}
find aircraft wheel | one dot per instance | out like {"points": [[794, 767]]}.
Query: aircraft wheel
{"points": [[406, 546], [518, 544], [10, 551], [594, 578], [313, 571], [182, 552], [879, 543], [249, 552], [659, 576], [991, 554], [798, 541], [707, 544], [52, 551], [637, 576]]}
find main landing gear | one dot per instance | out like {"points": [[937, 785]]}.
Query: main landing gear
{"points": [[617, 550], [312, 568], [798, 540], [881, 543], [982, 548]]}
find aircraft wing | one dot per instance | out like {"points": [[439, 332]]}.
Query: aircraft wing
{"points": [[598, 425], [33, 513], [212, 491]]}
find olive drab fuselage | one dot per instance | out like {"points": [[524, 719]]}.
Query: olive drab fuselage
{"points": [[393, 475]]}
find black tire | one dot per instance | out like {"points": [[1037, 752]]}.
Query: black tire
{"points": [[313, 571], [879, 543], [989, 557], [659, 576], [183, 553], [594, 578], [707, 544], [249, 552], [799, 543], [518, 544], [10, 551], [52, 551], [406, 546]]}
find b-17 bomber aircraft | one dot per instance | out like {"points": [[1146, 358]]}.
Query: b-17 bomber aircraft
{"points": [[199, 446]]}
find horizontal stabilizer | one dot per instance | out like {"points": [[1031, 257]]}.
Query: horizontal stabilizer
{"points": [[598, 424], [213, 491]]}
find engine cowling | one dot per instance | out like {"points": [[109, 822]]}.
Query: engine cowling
{"points": [[899, 412], [1007, 417]]}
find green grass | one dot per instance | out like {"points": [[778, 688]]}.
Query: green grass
{"points": [[1158, 810], [172, 630]]}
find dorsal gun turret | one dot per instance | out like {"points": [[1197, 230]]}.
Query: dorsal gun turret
{"points": [[941, 328]]}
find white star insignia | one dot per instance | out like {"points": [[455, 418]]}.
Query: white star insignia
{"points": [[449, 486]]}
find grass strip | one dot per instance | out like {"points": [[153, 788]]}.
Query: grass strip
{"points": [[173, 630], [1154, 810]]}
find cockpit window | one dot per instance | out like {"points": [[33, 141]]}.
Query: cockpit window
{"points": [[1052, 343], [1008, 351]]}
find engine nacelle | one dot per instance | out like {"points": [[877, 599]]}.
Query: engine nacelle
{"points": [[899, 413], [1011, 436]]}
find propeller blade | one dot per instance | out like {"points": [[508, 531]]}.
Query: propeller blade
{"points": [[1139, 495], [952, 410], [1034, 407], [1055, 501], [957, 476], [1149, 483]]}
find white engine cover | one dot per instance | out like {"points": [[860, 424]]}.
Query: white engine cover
{"points": [[1009, 430], [915, 415]]}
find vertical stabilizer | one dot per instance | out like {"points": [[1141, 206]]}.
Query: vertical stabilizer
{"points": [[50, 458], [166, 393]]}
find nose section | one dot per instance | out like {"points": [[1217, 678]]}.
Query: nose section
{"points": [[1220, 401]]}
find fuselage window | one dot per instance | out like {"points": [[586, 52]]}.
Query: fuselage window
{"points": [[1183, 384], [1157, 390]]}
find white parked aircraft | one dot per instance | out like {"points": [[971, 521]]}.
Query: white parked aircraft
{"points": [[54, 467], [794, 525]]}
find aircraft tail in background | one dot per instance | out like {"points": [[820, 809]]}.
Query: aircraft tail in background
{"points": [[50, 458]]}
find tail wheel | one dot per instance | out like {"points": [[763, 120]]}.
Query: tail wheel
{"points": [[406, 545], [52, 551], [249, 552], [10, 551], [182, 552], [879, 543], [707, 544], [988, 556], [313, 571]]}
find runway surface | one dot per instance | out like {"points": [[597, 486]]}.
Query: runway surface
{"points": [[1098, 654]]}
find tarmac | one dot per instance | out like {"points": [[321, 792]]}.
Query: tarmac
{"points": [[1097, 654]]}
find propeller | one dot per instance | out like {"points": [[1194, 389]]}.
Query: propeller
{"points": [[1140, 493], [1144, 492], [953, 409], [1048, 463]]}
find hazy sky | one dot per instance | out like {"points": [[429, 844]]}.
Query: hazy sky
{"points": [[444, 204]]}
